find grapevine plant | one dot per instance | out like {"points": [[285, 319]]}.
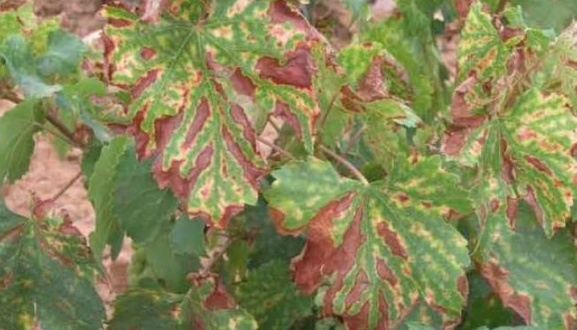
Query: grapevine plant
{"points": [[270, 179]]}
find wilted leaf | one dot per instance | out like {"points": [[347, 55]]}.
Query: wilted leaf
{"points": [[270, 296], [198, 85], [45, 274], [17, 129], [384, 247]]}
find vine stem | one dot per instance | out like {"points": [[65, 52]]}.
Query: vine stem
{"points": [[218, 252], [63, 129], [346, 163], [67, 186], [275, 147]]}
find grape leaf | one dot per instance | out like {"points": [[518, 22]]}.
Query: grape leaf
{"points": [[139, 205], [146, 309], [481, 49], [187, 237], [384, 246], [45, 273], [17, 129], [198, 85], [209, 306], [62, 56], [108, 230], [270, 296], [533, 143], [532, 274]]}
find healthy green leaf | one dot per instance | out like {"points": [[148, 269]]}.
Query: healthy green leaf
{"points": [[198, 85], [17, 129], [271, 297], [384, 246], [100, 188], [140, 206], [45, 273], [187, 237], [17, 55], [63, 55]]}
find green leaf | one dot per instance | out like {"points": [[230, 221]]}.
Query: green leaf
{"points": [[198, 85], [532, 274], [165, 265], [140, 206], [100, 192], [146, 310], [272, 298], [18, 56], [484, 308], [63, 55], [383, 247], [45, 274], [187, 237], [17, 129]]}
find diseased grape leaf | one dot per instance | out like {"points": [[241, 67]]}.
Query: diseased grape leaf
{"points": [[528, 148], [208, 306], [481, 49], [270, 296], [45, 276], [534, 275], [17, 129], [199, 82], [146, 309], [384, 247]]}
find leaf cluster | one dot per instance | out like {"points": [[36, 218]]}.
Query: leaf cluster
{"points": [[269, 177]]}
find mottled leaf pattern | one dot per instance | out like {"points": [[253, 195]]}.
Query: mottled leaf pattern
{"points": [[271, 297], [528, 147], [45, 273], [198, 85], [481, 49], [532, 274], [384, 247]]}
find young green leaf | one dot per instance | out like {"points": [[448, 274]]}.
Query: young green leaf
{"points": [[100, 188], [199, 84], [17, 129], [383, 247], [187, 237]]}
